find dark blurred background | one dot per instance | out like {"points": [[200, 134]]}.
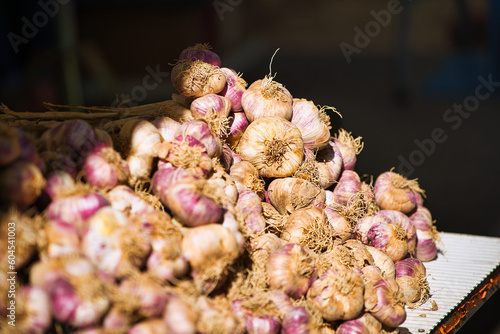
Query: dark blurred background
{"points": [[418, 80]]}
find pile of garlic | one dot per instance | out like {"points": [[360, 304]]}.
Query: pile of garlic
{"points": [[227, 209]]}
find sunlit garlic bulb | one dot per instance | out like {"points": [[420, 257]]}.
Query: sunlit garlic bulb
{"points": [[349, 147], [313, 123], [289, 194], [338, 294], [395, 192], [265, 98], [273, 145]]}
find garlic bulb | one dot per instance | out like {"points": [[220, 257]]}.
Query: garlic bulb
{"points": [[234, 89], [309, 227], [313, 123], [246, 174], [195, 78], [329, 164], [201, 52], [238, 123], [338, 294], [400, 219], [273, 145], [264, 98], [348, 186], [290, 194], [213, 109], [389, 238], [395, 192], [291, 269], [201, 131], [349, 148]]}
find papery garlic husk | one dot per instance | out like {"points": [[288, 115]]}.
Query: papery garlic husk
{"points": [[140, 141], [329, 164], [105, 168], [361, 254], [191, 203], [234, 89], [338, 294], [400, 219], [395, 192], [310, 228], [308, 170], [412, 280], [313, 123], [422, 218], [340, 225], [189, 153], [364, 224], [262, 246], [426, 248], [365, 324], [246, 174], [347, 187], [349, 148], [275, 221], [382, 261], [238, 123], [168, 128], [114, 244], [201, 131], [197, 78], [336, 256], [249, 209], [290, 194], [383, 298], [273, 145], [389, 238], [266, 97], [214, 110], [291, 269], [210, 250], [216, 316]]}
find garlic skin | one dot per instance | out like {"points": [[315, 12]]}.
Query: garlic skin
{"points": [[273, 145], [264, 98], [348, 186], [195, 78], [234, 89], [238, 123], [290, 194], [340, 225], [291, 269], [249, 209], [349, 148], [246, 174], [412, 280], [312, 123], [400, 219], [329, 164], [395, 192], [213, 109], [338, 294], [382, 261], [309, 228], [168, 128], [105, 168], [389, 238], [262, 246], [201, 52], [200, 130]]}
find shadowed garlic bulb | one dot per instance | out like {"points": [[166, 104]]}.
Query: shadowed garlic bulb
{"points": [[273, 145], [195, 78]]}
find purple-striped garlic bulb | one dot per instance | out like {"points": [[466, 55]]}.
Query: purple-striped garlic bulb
{"points": [[21, 184], [104, 168], [189, 153], [238, 123], [313, 123], [364, 225], [399, 218], [234, 89], [201, 52], [249, 208], [338, 294], [214, 109], [168, 128], [266, 97], [383, 298], [395, 192], [390, 238], [412, 280], [348, 186], [167, 176], [349, 148], [291, 269]]}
